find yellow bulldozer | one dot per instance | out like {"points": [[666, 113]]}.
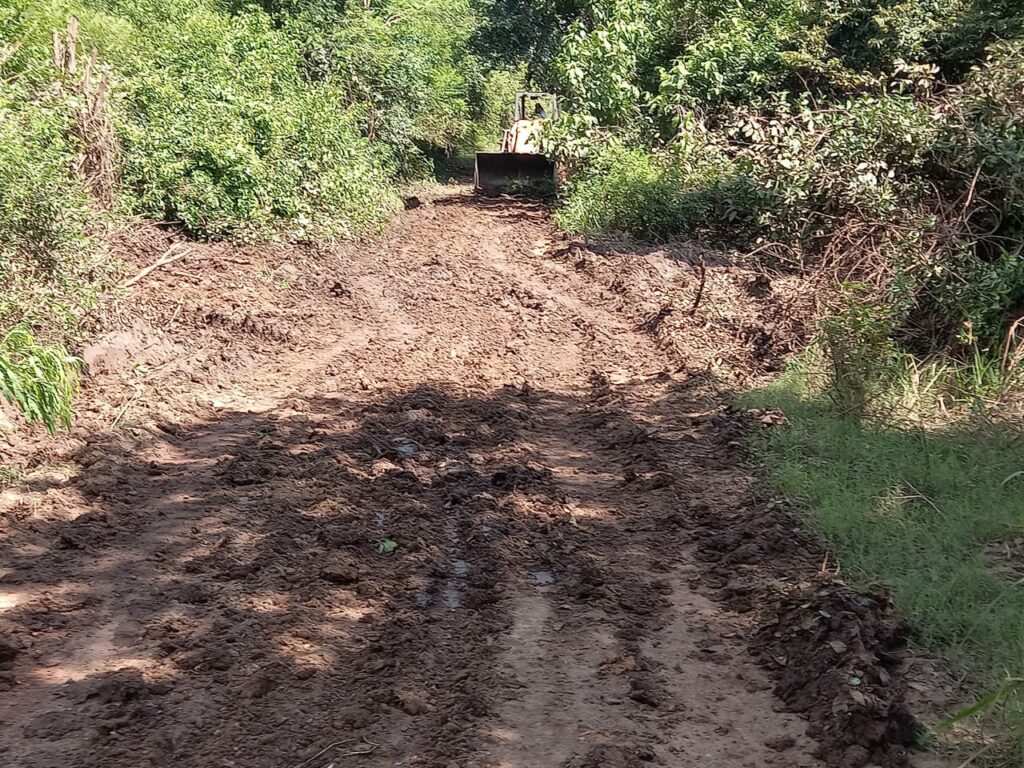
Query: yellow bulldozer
{"points": [[520, 163]]}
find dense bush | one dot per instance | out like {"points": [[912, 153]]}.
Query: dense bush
{"points": [[295, 118], [39, 378], [629, 189], [45, 260], [221, 133], [880, 142], [239, 120]]}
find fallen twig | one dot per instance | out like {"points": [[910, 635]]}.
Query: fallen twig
{"points": [[369, 747], [164, 260], [700, 289], [124, 409], [984, 750]]}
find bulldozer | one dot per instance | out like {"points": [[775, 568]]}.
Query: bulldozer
{"points": [[520, 163]]}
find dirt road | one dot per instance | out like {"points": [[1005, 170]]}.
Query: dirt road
{"points": [[458, 529]]}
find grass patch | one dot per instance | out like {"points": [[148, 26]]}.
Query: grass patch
{"points": [[935, 517]]}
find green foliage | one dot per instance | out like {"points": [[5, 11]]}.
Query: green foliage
{"points": [[741, 52], [654, 195], [241, 121], [221, 133], [926, 515], [47, 266], [986, 133], [42, 210], [283, 118], [822, 119], [857, 344], [40, 379], [493, 97], [598, 65], [407, 65]]}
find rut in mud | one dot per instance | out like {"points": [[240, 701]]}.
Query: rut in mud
{"points": [[223, 592]]}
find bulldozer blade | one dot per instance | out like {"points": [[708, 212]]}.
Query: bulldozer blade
{"points": [[497, 171]]}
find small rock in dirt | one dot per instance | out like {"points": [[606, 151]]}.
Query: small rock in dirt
{"points": [[605, 757], [258, 685], [8, 651], [339, 536], [417, 414], [453, 470], [412, 703], [838, 646], [781, 744], [855, 756], [384, 467], [649, 481], [644, 689], [354, 717], [340, 571], [52, 725], [619, 666], [645, 753], [121, 686]]}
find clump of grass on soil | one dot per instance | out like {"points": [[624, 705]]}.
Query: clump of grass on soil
{"points": [[933, 516]]}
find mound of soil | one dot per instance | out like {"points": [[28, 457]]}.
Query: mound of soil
{"points": [[838, 658]]}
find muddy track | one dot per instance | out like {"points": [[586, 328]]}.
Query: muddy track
{"points": [[221, 593]]}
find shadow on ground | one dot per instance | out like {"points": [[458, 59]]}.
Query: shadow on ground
{"points": [[228, 595]]}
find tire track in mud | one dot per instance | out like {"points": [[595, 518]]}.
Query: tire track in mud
{"points": [[220, 595]]}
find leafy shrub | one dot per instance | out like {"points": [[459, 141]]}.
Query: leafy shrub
{"points": [[48, 268], [42, 209], [858, 348], [407, 67], [986, 133], [294, 118], [40, 379], [493, 98], [654, 195], [221, 133], [837, 145], [861, 158]]}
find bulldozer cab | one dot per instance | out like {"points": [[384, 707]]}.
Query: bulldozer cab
{"points": [[536, 106], [520, 163]]}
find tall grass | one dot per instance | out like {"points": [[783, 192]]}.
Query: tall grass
{"points": [[41, 379], [932, 514]]}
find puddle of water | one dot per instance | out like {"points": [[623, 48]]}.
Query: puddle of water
{"points": [[460, 568], [544, 577], [423, 599]]}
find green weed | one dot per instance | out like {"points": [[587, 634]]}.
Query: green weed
{"points": [[932, 516], [40, 379]]}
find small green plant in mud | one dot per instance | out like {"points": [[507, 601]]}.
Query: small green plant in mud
{"points": [[387, 546], [41, 379], [9, 477]]}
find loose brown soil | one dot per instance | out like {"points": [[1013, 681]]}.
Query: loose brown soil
{"points": [[468, 496]]}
